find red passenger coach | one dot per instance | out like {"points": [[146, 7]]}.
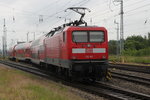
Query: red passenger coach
{"points": [[22, 51], [11, 53], [38, 51]]}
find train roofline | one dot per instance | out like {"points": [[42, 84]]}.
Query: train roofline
{"points": [[74, 27]]}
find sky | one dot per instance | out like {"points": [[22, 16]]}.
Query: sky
{"points": [[22, 17]]}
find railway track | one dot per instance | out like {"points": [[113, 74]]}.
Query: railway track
{"points": [[131, 78], [99, 88], [134, 68], [25, 68], [124, 94]]}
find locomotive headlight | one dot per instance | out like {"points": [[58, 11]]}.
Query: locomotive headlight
{"points": [[73, 57], [103, 57]]}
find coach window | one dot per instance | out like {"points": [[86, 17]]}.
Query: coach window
{"points": [[64, 36]]}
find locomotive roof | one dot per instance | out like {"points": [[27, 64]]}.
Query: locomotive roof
{"points": [[60, 29], [82, 27]]}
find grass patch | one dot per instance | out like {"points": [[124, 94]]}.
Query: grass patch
{"points": [[130, 59], [3, 80], [18, 85], [41, 93]]}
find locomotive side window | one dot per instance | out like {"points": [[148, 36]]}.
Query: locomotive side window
{"points": [[80, 36], [96, 36], [64, 36]]}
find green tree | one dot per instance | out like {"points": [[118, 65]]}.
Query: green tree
{"points": [[136, 43], [134, 46]]}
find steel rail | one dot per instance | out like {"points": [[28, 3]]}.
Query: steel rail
{"points": [[130, 68], [25, 68], [128, 94], [132, 65], [131, 78]]}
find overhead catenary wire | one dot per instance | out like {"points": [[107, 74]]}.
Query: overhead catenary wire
{"points": [[137, 8], [65, 9], [108, 11], [110, 17], [49, 5], [29, 13], [60, 10]]}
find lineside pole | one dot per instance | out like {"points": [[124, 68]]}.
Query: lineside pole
{"points": [[4, 38], [121, 28], [117, 43]]}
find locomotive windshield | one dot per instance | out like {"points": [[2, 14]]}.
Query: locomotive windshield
{"points": [[80, 36], [88, 36]]}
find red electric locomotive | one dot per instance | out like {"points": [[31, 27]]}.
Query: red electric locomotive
{"points": [[73, 50], [82, 52]]}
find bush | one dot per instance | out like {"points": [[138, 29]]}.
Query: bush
{"points": [[141, 52], [129, 59]]}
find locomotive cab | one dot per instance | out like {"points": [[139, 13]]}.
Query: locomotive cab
{"points": [[89, 52]]}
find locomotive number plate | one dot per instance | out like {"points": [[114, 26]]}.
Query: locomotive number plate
{"points": [[89, 50]]}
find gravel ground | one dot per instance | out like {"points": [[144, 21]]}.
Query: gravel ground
{"points": [[130, 85], [86, 95]]}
